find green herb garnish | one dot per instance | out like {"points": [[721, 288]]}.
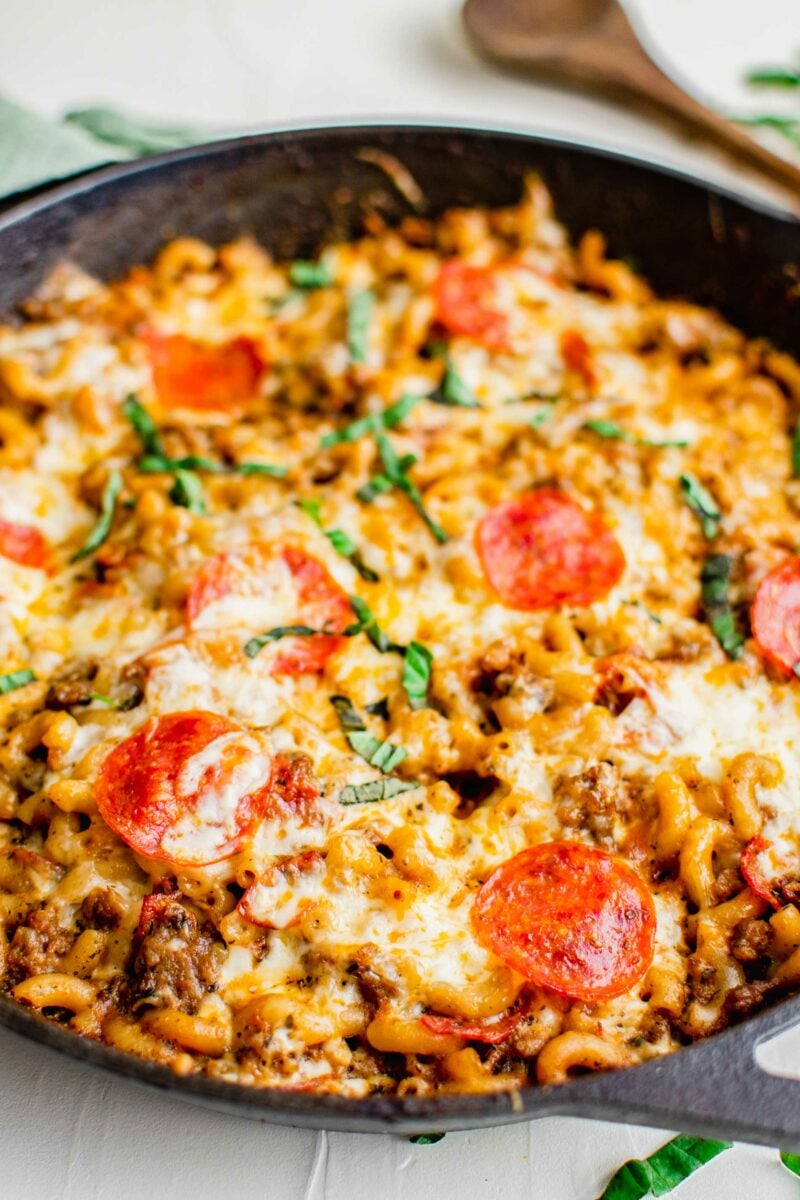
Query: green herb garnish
{"points": [[396, 472], [347, 713], [379, 709], [715, 584], [102, 526], [614, 432], [664, 1170], [187, 491], [309, 275], [702, 504], [255, 644], [426, 1139], [417, 674], [453, 390], [359, 314], [342, 542], [376, 789], [16, 679], [367, 624], [372, 422], [144, 425], [259, 468], [383, 755]]}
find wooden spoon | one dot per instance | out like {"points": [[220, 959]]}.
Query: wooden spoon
{"points": [[590, 43]]}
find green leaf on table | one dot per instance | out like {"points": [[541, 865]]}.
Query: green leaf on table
{"points": [[791, 1161], [781, 77], [663, 1171], [133, 134]]}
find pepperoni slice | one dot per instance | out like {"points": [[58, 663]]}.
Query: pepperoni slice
{"points": [[23, 544], [542, 550], [465, 298], [568, 917], [268, 586], [491, 1031], [202, 376], [756, 877], [186, 788], [775, 616], [577, 356]]}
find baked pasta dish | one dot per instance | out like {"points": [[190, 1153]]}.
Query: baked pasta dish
{"points": [[398, 660]]}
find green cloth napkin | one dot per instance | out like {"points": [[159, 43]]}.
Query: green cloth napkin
{"points": [[35, 150]]}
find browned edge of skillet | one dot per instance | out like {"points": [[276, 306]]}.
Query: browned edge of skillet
{"points": [[294, 190]]}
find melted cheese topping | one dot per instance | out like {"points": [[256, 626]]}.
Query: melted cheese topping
{"points": [[313, 954]]}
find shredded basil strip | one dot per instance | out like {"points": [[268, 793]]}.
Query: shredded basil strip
{"points": [[796, 451], [417, 674], [342, 542], [715, 584], [453, 390], [383, 755], [615, 432], [376, 789], [378, 485], [16, 679], [664, 1170], [153, 464], [309, 275], [372, 422], [259, 468], [255, 644], [368, 625], [702, 504], [144, 426], [347, 713], [187, 491], [102, 526], [426, 1139], [791, 1161], [359, 314], [379, 709], [395, 472]]}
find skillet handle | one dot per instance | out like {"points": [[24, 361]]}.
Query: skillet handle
{"points": [[714, 1088]]}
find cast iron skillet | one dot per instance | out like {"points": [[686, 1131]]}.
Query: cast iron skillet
{"points": [[293, 190]]}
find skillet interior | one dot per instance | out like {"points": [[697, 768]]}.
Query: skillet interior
{"points": [[294, 190]]}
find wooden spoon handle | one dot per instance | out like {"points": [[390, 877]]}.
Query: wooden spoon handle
{"points": [[641, 75]]}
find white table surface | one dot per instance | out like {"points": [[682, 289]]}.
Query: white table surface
{"points": [[65, 1132]]}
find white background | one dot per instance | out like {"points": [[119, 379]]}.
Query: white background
{"points": [[65, 1132]]}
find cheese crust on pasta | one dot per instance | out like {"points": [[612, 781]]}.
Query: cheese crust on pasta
{"points": [[397, 660]]}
